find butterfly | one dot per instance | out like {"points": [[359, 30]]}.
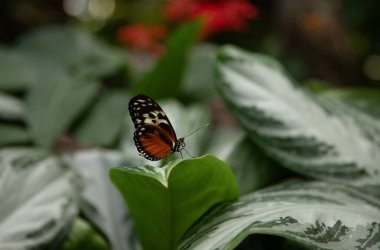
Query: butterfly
{"points": [[154, 136]]}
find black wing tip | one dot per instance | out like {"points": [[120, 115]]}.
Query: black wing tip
{"points": [[136, 97], [140, 96]]}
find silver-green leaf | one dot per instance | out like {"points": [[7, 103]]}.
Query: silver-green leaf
{"points": [[317, 137], [38, 195], [11, 107], [317, 215], [101, 203]]}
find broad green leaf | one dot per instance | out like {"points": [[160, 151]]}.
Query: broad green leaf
{"points": [[253, 168], [314, 136], [54, 103], [103, 124], [184, 120], [164, 202], [199, 77], [316, 214], [11, 107], [80, 51], [13, 134], [16, 72], [39, 199], [82, 236], [101, 202], [165, 79]]}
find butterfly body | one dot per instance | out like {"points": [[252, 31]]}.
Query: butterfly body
{"points": [[154, 136]]}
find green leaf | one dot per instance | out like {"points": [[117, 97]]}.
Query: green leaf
{"points": [[199, 77], [317, 137], [11, 107], [103, 124], [79, 51], [16, 72], [165, 79], [13, 134], [83, 236], [54, 103], [316, 214], [39, 199], [164, 202], [101, 203]]}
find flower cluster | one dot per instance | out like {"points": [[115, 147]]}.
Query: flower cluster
{"points": [[145, 37], [222, 15], [218, 16]]}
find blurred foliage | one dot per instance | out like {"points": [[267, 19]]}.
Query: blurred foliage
{"points": [[82, 236], [165, 79], [67, 72]]}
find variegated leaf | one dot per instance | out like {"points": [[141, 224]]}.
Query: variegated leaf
{"points": [[317, 137], [38, 195], [101, 203], [318, 215]]}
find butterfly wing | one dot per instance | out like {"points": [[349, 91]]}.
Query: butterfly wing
{"points": [[139, 106], [152, 142], [145, 111], [154, 136]]}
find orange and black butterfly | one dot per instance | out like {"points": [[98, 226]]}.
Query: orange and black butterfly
{"points": [[154, 136]]}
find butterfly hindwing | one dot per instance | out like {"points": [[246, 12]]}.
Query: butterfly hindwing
{"points": [[152, 142], [154, 136]]}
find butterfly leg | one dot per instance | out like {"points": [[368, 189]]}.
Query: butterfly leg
{"points": [[181, 154], [189, 153]]}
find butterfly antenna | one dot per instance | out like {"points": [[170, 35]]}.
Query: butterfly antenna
{"points": [[187, 153], [196, 131]]}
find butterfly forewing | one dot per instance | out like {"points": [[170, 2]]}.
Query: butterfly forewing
{"points": [[154, 136], [139, 106]]}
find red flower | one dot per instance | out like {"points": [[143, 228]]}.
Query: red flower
{"points": [[223, 15], [146, 37]]}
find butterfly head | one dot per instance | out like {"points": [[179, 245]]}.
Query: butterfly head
{"points": [[180, 144]]}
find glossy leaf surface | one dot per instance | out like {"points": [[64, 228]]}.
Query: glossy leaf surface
{"points": [[164, 202]]}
